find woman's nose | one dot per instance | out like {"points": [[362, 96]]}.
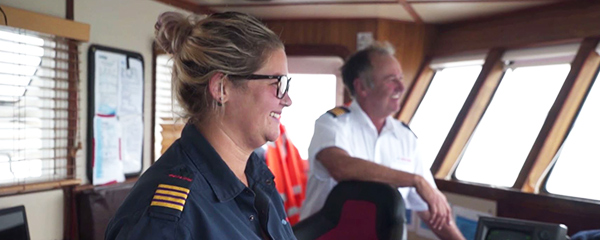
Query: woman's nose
{"points": [[286, 100]]}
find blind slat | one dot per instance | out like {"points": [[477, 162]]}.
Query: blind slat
{"points": [[48, 58], [57, 69], [58, 79], [42, 159], [44, 47], [34, 87], [38, 106]]}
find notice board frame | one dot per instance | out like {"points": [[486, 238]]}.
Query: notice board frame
{"points": [[91, 106]]}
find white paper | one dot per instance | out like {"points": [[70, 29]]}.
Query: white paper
{"points": [[466, 220], [363, 40], [106, 79], [107, 163], [118, 120], [132, 136], [131, 88]]}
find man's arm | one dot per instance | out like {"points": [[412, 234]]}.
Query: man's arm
{"points": [[341, 166], [448, 230]]}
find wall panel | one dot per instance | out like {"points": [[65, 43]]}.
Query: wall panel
{"points": [[549, 24], [412, 41], [336, 31]]}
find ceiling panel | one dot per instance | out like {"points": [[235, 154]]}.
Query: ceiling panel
{"points": [[382, 10], [288, 2], [443, 12]]}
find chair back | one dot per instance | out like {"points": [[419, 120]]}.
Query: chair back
{"points": [[356, 210]]}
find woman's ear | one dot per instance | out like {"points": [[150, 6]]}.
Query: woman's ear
{"points": [[217, 85]]}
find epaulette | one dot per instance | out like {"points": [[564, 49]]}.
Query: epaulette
{"points": [[407, 127], [172, 193], [338, 111]]}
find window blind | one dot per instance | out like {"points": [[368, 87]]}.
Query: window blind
{"points": [[167, 127], [540, 56], [38, 106]]}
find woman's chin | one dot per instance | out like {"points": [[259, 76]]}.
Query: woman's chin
{"points": [[271, 137]]}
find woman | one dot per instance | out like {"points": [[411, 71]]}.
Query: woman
{"points": [[229, 76]]}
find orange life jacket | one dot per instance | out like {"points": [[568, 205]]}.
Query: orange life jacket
{"points": [[290, 176]]}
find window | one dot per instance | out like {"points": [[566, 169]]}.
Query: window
{"points": [[504, 136], [312, 95], [507, 130], [38, 114], [167, 126], [440, 106], [316, 87], [576, 170]]}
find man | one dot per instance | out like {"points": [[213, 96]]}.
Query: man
{"points": [[363, 142]]}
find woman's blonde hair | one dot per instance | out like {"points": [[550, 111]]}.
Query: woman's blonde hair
{"points": [[231, 43]]}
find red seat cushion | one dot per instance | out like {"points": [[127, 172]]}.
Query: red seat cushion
{"points": [[357, 221]]}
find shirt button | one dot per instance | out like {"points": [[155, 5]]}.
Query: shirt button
{"points": [[269, 181], [251, 218]]}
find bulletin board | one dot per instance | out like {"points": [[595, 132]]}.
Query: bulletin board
{"points": [[115, 114]]}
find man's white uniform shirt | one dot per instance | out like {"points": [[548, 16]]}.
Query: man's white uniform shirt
{"points": [[395, 147]]}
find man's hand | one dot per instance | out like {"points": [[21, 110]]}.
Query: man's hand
{"points": [[343, 167], [439, 210], [448, 231]]}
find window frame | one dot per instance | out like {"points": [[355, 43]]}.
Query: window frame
{"points": [[74, 33], [47, 89], [522, 201], [581, 89], [424, 78], [466, 146], [534, 173], [561, 117]]}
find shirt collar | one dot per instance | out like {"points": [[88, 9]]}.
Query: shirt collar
{"points": [[364, 119], [257, 171], [362, 116], [223, 182]]}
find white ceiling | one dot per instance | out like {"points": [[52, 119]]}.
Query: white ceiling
{"points": [[423, 11], [455, 11]]}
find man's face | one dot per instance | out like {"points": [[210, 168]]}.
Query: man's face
{"points": [[388, 86]]}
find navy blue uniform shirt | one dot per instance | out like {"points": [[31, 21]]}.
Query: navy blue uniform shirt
{"points": [[190, 193]]}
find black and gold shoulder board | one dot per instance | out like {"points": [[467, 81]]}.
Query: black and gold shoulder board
{"points": [[338, 111], [172, 193], [406, 126]]}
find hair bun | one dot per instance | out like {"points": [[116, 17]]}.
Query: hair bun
{"points": [[172, 29]]}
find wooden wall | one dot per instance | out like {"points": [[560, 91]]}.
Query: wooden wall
{"points": [[576, 214], [322, 32], [410, 40], [560, 22], [412, 43]]}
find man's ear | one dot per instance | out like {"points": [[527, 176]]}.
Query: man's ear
{"points": [[359, 87], [217, 85]]}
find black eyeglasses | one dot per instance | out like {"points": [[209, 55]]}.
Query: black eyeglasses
{"points": [[283, 82]]}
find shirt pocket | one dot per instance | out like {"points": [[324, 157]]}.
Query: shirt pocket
{"points": [[403, 163]]}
